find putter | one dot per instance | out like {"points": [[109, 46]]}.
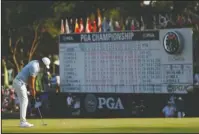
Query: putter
{"points": [[43, 124]]}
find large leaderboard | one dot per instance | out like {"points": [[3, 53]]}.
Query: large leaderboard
{"points": [[127, 62]]}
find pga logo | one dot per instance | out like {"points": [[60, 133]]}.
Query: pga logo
{"points": [[110, 103]]}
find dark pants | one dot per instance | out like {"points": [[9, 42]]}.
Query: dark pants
{"points": [[69, 110]]}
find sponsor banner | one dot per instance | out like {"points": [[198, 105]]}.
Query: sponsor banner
{"points": [[101, 105], [111, 102], [95, 105]]}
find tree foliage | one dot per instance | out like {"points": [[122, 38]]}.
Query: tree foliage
{"points": [[60, 10], [113, 13], [26, 24]]}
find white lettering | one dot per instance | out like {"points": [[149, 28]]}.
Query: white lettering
{"points": [[118, 104], [110, 103], [111, 36], [102, 101], [68, 38], [148, 35], [176, 58], [85, 38]]}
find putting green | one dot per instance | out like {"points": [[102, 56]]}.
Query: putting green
{"points": [[186, 125]]}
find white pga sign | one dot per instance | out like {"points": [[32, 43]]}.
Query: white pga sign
{"points": [[127, 62], [110, 103]]}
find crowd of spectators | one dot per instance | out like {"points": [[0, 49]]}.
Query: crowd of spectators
{"points": [[9, 100], [174, 107]]}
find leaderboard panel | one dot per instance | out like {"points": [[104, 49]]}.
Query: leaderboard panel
{"points": [[125, 62]]}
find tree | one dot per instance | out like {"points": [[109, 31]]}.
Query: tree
{"points": [[26, 22], [113, 13], [21, 28]]}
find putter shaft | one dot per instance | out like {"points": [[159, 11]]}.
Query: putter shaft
{"points": [[41, 117]]}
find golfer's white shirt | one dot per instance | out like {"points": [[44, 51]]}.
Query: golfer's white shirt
{"points": [[169, 111], [69, 100]]}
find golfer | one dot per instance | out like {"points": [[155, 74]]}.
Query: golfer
{"points": [[27, 78]]}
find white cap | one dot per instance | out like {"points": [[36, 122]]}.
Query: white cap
{"points": [[46, 62]]}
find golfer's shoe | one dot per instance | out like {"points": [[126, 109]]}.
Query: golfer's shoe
{"points": [[26, 124]]}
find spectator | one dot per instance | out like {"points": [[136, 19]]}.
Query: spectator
{"points": [[196, 79], [134, 109], [76, 106], [46, 80], [141, 108], [6, 82], [6, 101], [11, 100], [55, 80], [169, 110], [39, 83], [172, 99], [10, 75], [180, 107], [5, 104], [69, 102]]}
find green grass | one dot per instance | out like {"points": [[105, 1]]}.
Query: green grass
{"points": [[158, 125]]}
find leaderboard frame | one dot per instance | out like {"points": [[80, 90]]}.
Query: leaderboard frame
{"points": [[174, 42]]}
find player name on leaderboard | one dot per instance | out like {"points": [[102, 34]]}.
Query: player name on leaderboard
{"points": [[119, 62]]}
